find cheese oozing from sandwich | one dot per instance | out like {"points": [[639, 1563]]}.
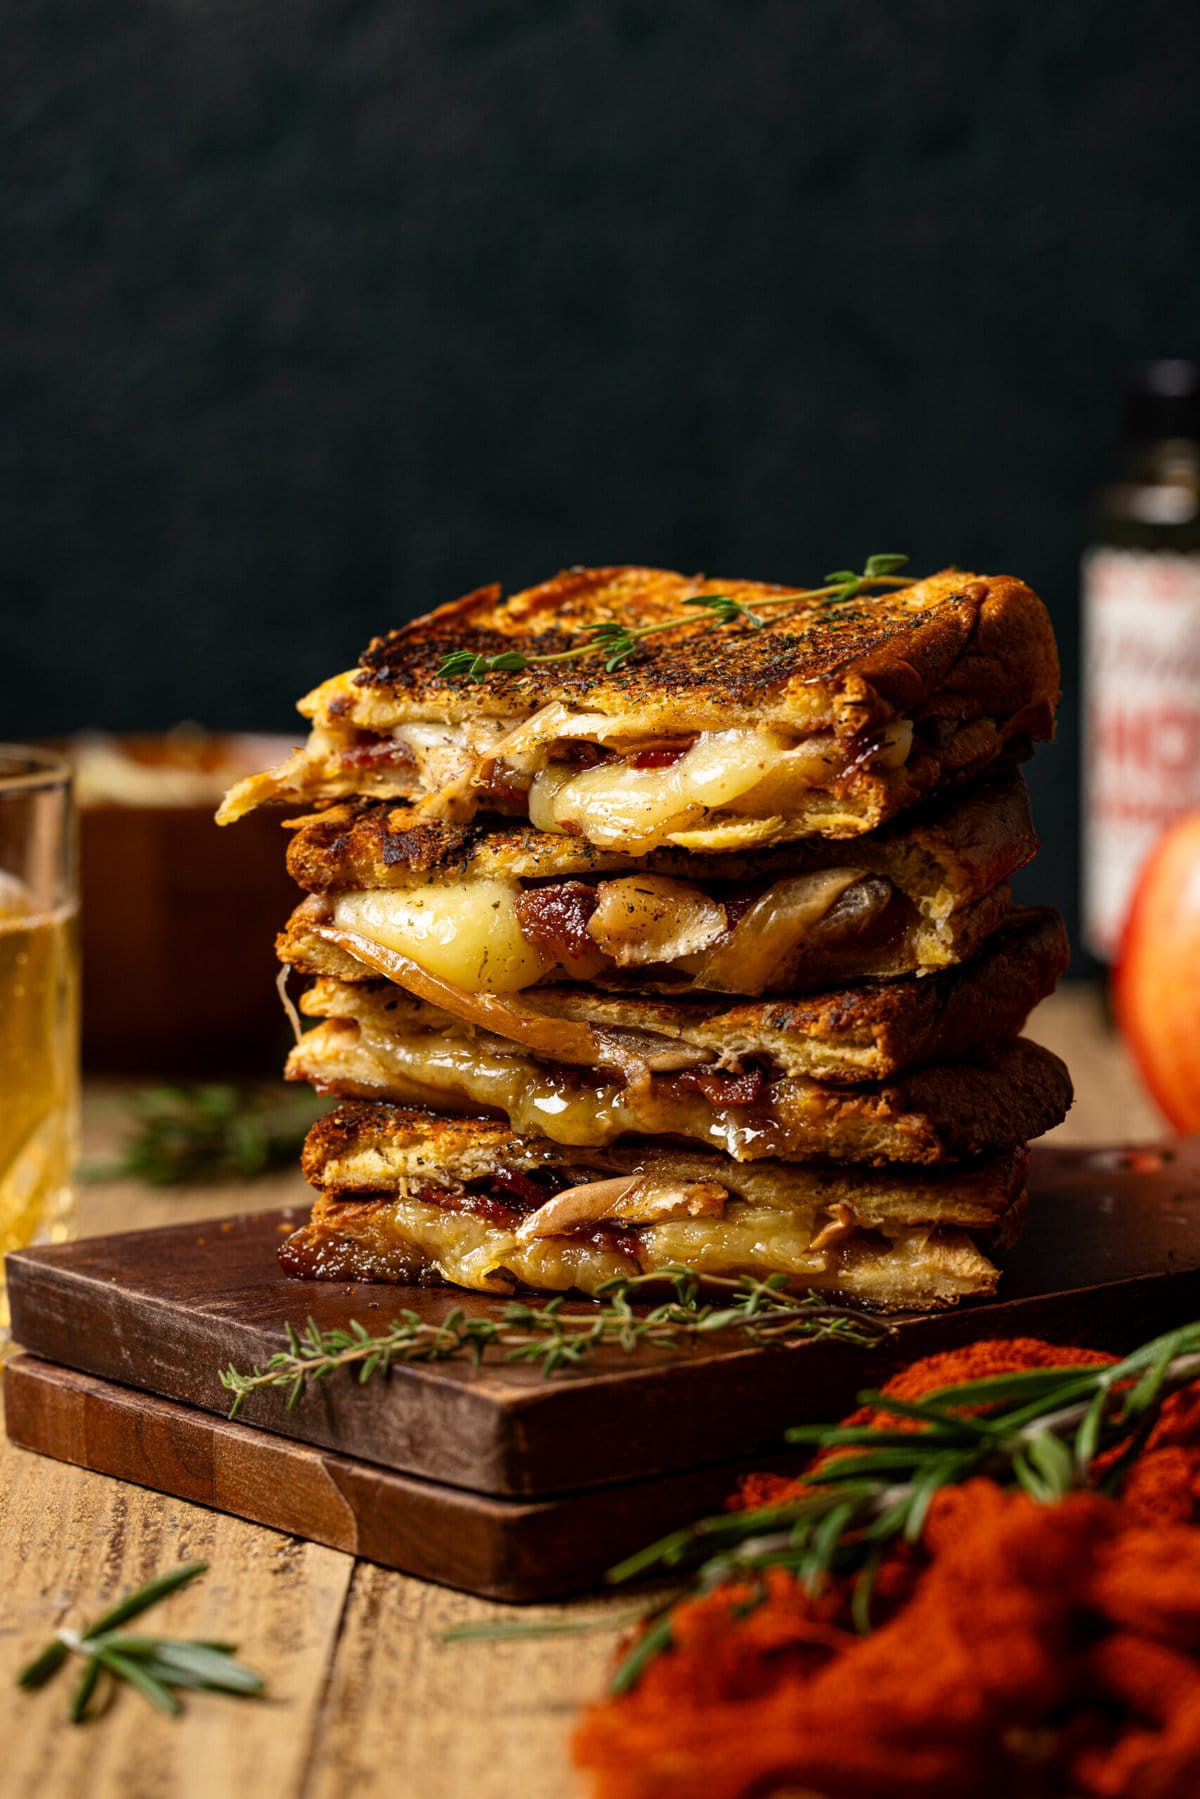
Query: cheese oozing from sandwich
{"points": [[404, 1196], [411, 1238], [469, 933], [500, 936], [620, 804], [633, 792]]}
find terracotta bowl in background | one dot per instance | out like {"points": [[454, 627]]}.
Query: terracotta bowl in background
{"points": [[178, 916]]}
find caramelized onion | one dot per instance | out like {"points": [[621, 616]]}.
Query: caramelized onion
{"points": [[840, 1224], [747, 959], [586, 1204], [648, 918], [627, 1198], [633, 1054], [560, 1038]]}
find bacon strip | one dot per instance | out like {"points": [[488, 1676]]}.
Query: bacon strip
{"points": [[724, 1089], [380, 752], [555, 920]]}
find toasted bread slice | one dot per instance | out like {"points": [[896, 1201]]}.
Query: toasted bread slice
{"points": [[827, 720], [944, 854], [387, 1149], [467, 1201], [861, 1033], [453, 914], [1002, 1095]]}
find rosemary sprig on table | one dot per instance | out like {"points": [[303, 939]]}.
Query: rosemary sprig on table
{"points": [[617, 641], [209, 1132], [551, 1337], [153, 1665], [1040, 1430]]}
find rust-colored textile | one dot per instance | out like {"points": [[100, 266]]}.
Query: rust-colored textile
{"points": [[1024, 1649]]}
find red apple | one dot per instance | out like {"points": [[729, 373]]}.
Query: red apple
{"points": [[1157, 986]]}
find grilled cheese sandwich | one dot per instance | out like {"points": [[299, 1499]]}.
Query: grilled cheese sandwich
{"points": [[823, 721], [403, 1197], [844, 1036], [457, 913]]}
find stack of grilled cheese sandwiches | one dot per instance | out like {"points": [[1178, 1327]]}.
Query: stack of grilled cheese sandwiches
{"points": [[655, 921]]}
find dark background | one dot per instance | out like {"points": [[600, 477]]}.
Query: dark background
{"points": [[317, 313]]}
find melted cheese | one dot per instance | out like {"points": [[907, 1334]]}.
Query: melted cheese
{"points": [[906, 1268], [455, 1074], [468, 934], [618, 807], [763, 776], [756, 773]]}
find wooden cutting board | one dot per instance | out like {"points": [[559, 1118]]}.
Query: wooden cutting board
{"points": [[513, 1549], [1110, 1256]]}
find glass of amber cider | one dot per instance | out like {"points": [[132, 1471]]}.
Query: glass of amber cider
{"points": [[39, 1002]]}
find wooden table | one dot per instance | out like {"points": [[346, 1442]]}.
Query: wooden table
{"points": [[364, 1697]]}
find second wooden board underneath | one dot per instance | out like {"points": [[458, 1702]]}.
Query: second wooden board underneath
{"points": [[498, 1548]]}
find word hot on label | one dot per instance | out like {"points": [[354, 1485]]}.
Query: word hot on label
{"points": [[1141, 763]]}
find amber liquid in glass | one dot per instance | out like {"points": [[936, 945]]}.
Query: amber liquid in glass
{"points": [[39, 1085]]}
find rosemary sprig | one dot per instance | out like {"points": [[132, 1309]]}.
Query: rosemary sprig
{"points": [[617, 641], [1040, 1430], [552, 1338], [187, 1133], [153, 1665]]}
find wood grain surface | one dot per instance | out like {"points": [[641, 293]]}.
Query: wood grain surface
{"points": [[364, 1696], [513, 1549]]}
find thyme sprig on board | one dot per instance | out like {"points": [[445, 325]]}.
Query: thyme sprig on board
{"points": [[1040, 1430], [616, 642], [551, 1337], [155, 1666]]}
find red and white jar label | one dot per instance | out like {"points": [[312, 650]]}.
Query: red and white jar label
{"points": [[1141, 721]]}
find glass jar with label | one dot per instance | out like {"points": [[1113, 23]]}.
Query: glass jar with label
{"points": [[1141, 647]]}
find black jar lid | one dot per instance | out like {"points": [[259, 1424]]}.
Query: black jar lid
{"points": [[1162, 400]]}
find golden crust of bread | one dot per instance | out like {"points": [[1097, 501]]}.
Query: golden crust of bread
{"points": [[864, 1032], [1001, 1096], [405, 1241], [949, 852], [982, 645], [419, 1145], [385, 1149]]}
